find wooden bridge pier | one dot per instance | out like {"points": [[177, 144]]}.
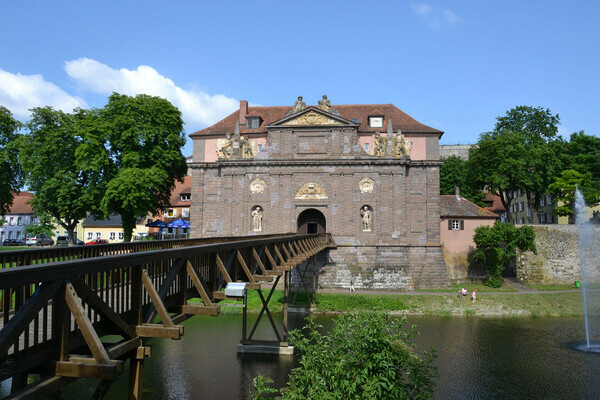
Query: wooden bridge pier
{"points": [[57, 305]]}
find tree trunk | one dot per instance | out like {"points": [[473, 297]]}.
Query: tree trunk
{"points": [[506, 202], [128, 221], [533, 209]]}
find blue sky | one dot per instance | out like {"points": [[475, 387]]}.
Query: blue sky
{"points": [[454, 65]]}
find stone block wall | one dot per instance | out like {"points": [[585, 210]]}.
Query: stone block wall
{"points": [[558, 260]]}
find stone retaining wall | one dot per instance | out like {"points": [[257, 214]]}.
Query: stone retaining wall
{"points": [[557, 261]]}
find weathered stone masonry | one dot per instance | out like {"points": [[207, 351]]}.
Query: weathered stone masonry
{"points": [[321, 166]]}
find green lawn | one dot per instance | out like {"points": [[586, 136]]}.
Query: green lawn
{"points": [[551, 287], [9, 248], [529, 305], [480, 287]]}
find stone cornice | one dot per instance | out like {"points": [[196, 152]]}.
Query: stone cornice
{"points": [[314, 162]]}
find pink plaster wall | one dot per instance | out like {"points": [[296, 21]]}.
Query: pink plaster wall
{"points": [[461, 241]]}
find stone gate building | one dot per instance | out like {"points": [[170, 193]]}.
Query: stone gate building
{"points": [[368, 174]]}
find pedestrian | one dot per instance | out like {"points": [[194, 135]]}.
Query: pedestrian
{"points": [[474, 295], [352, 284]]}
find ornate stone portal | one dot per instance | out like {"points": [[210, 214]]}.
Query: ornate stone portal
{"points": [[311, 191]]}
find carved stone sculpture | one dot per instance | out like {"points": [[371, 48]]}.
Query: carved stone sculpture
{"points": [[257, 186], [236, 147], [311, 191], [379, 150], [257, 219], [367, 219], [325, 105], [299, 105], [366, 185]]}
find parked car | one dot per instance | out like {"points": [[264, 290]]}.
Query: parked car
{"points": [[13, 242], [98, 241], [39, 240], [64, 241]]}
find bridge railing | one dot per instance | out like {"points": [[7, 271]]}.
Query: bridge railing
{"points": [[43, 255], [51, 310]]}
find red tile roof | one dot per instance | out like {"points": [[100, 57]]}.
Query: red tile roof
{"points": [[458, 206], [20, 205], [361, 112], [185, 187], [495, 204]]}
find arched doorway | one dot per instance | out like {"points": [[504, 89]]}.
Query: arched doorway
{"points": [[311, 221]]}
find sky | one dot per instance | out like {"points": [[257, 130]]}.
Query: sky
{"points": [[453, 65]]}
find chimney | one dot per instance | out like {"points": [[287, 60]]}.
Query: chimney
{"points": [[457, 193], [243, 111]]}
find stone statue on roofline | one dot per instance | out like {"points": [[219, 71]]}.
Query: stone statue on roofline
{"points": [[235, 147], [299, 105], [325, 105]]}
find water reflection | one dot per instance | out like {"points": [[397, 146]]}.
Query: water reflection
{"points": [[477, 359]]}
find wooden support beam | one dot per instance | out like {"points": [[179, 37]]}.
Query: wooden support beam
{"points": [[198, 309], [159, 331], [198, 284], [24, 315], [223, 270], [218, 295], [259, 262], [164, 288], [91, 298], [85, 326], [278, 268], [287, 255], [245, 267], [89, 369], [156, 301]]}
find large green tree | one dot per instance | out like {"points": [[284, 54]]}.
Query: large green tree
{"points": [[523, 152], [454, 174], [498, 244], [10, 168], [49, 151], [139, 152], [366, 356]]}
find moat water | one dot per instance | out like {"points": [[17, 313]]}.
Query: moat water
{"points": [[478, 358]]}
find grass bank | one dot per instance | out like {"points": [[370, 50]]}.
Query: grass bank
{"points": [[541, 304]]}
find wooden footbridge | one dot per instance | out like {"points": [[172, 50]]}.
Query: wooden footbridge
{"points": [[57, 304]]}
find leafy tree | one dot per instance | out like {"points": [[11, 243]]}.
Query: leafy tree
{"points": [[138, 149], [364, 356], [44, 226], [63, 189], [454, 174], [11, 178], [523, 152], [497, 245], [563, 190]]}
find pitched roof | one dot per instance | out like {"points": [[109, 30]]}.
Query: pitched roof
{"points": [[185, 187], [495, 204], [361, 112], [113, 220], [458, 206], [20, 205]]}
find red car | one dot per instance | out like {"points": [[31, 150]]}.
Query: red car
{"points": [[98, 241]]}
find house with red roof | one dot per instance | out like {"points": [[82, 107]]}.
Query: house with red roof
{"points": [[458, 220], [179, 206], [20, 215]]}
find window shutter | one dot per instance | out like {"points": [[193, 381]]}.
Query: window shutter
{"points": [[449, 224], [462, 225]]}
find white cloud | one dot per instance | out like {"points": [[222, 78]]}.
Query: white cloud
{"points": [[197, 107], [19, 93], [435, 17]]}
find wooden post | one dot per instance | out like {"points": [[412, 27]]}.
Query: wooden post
{"points": [[286, 290], [314, 294], [136, 370], [136, 366]]}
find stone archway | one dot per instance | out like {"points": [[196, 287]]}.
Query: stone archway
{"points": [[311, 221]]}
